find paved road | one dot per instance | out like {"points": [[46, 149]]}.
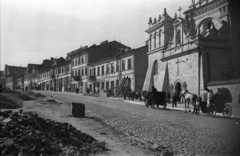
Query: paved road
{"points": [[183, 132]]}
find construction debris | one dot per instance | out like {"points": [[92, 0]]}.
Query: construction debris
{"points": [[26, 134]]}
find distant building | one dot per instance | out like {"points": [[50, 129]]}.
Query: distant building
{"points": [[82, 59], [20, 82], [49, 72], [11, 74], [79, 69], [2, 79], [127, 68], [44, 74], [61, 75], [31, 77]]}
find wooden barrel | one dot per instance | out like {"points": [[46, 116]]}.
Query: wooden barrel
{"points": [[78, 110]]}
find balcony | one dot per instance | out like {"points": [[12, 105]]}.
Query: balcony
{"points": [[77, 78], [92, 78]]}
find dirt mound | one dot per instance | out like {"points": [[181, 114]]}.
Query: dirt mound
{"points": [[24, 133], [10, 91], [38, 95], [25, 97], [10, 101], [29, 92]]}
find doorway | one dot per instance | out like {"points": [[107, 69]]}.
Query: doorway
{"points": [[178, 89]]}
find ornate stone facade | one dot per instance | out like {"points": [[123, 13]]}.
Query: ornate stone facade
{"points": [[192, 51]]}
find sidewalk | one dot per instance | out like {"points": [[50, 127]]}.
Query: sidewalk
{"points": [[181, 107]]}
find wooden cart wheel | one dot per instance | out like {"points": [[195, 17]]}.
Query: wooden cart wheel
{"points": [[227, 111], [212, 110]]}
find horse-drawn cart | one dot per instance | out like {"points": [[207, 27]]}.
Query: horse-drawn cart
{"points": [[157, 98], [220, 103]]}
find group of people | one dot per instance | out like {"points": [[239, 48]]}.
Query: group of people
{"points": [[206, 96]]}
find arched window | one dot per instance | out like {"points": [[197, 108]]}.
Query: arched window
{"points": [[155, 68], [150, 42], [159, 35], [178, 37]]}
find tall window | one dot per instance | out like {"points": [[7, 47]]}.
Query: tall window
{"points": [[86, 71], [90, 72], [112, 68], [129, 63], [82, 71], [160, 37], [155, 68], [150, 42], [118, 65], [78, 72], [102, 85], [78, 60], [102, 70], [123, 64], [94, 71], [83, 59], [107, 70], [178, 37], [98, 71], [154, 40]]}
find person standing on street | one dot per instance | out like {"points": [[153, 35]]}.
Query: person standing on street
{"points": [[209, 97], [204, 97], [174, 100]]}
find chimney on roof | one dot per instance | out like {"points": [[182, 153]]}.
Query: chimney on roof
{"points": [[45, 61], [85, 47], [103, 42], [51, 58]]}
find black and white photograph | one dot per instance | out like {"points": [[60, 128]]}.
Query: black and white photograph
{"points": [[119, 78]]}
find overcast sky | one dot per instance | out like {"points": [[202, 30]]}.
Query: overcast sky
{"points": [[33, 30]]}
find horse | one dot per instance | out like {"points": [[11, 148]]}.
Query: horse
{"points": [[189, 98], [146, 97]]}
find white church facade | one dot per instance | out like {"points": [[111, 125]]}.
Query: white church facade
{"points": [[191, 51]]}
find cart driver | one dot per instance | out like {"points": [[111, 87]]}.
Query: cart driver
{"points": [[204, 96], [154, 90]]}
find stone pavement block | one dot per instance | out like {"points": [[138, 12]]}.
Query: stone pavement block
{"points": [[154, 147]]}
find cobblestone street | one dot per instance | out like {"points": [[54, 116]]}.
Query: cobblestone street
{"points": [[181, 132]]}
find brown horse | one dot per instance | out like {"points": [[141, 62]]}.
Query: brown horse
{"points": [[189, 98]]}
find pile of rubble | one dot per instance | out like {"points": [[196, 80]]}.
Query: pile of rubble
{"points": [[10, 101], [26, 134]]}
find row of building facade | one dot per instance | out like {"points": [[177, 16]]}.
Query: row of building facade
{"points": [[87, 69]]}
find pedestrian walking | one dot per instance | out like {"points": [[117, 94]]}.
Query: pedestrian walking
{"points": [[174, 100]]}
